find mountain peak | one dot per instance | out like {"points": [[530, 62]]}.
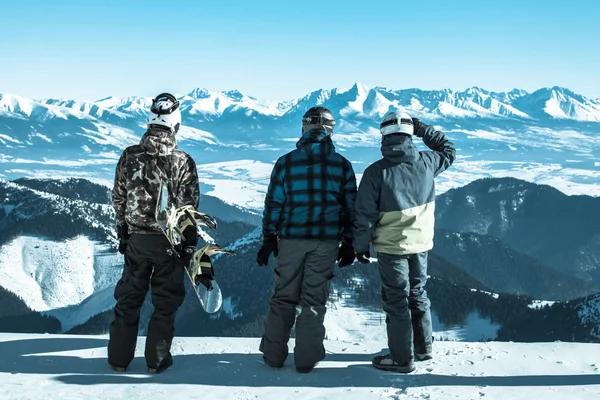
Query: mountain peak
{"points": [[16, 104], [518, 92], [234, 94], [360, 87], [199, 93], [476, 90]]}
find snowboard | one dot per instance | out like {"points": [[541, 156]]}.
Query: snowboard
{"points": [[173, 222]]}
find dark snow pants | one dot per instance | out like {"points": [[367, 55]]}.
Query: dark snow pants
{"points": [[147, 261], [405, 302], [302, 277]]}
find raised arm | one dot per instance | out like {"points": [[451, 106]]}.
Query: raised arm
{"points": [[443, 152]]}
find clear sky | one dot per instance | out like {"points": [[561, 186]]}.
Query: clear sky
{"points": [[279, 50]]}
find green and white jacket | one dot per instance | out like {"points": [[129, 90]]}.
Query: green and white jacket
{"points": [[396, 197]]}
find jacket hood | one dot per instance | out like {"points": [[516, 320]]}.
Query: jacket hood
{"points": [[316, 143], [399, 148], [158, 142]]}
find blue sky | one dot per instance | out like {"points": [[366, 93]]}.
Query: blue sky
{"points": [[279, 50]]}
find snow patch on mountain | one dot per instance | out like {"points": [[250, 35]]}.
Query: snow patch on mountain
{"points": [[110, 135], [71, 280], [189, 133], [246, 240], [5, 138], [16, 105], [564, 104], [47, 274], [242, 183], [572, 181], [94, 177], [66, 163], [538, 304], [205, 102]]}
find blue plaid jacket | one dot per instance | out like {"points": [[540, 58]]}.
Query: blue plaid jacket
{"points": [[312, 193]]}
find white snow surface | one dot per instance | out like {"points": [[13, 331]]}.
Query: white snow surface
{"points": [[242, 183], [538, 304], [73, 367], [48, 274], [71, 280]]}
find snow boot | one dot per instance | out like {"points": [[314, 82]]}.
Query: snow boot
{"points": [[423, 357], [163, 367], [306, 370], [116, 368], [386, 363], [271, 363]]}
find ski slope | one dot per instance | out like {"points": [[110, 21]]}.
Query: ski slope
{"points": [[74, 368]]}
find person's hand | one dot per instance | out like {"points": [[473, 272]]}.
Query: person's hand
{"points": [[416, 127], [268, 247], [123, 235], [363, 257], [346, 255]]}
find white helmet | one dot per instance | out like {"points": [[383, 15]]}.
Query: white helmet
{"points": [[165, 112], [396, 122]]}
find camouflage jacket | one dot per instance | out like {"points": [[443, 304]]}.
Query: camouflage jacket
{"points": [[139, 173]]}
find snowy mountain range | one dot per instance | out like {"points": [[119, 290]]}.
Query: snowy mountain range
{"points": [[549, 136], [546, 103]]}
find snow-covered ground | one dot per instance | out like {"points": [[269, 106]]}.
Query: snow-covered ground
{"points": [[74, 367]]}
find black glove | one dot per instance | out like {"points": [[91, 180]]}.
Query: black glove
{"points": [[346, 255], [268, 247], [123, 235], [207, 273], [417, 127], [363, 258], [190, 236], [190, 241]]}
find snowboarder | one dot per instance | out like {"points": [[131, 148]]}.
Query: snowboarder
{"points": [[149, 258], [309, 209], [395, 211]]}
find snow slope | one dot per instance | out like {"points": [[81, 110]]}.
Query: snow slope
{"points": [[74, 367], [48, 274], [70, 280]]}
